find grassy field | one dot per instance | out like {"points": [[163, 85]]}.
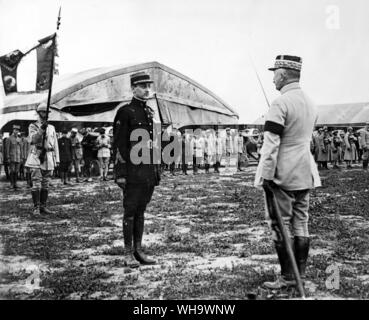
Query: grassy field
{"points": [[207, 233]]}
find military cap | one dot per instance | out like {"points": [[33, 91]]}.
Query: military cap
{"points": [[287, 62], [42, 107], [140, 77]]}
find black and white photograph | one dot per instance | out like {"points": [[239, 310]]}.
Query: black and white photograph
{"points": [[170, 150]]}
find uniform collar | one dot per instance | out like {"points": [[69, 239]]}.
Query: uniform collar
{"points": [[139, 102], [290, 86]]}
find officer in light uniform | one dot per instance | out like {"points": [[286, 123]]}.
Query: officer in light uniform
{"points": [[287, 167], [41, 172]]}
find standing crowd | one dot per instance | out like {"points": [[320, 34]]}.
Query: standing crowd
{"points": [[338, 146]]}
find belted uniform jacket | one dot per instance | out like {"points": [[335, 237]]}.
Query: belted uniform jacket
{"points": [[51, 144], [133, 138]]}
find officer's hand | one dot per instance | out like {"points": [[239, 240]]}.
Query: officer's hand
{"points": [[44, 125], [122, 182]]}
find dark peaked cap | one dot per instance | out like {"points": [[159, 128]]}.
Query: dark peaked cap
{"points": [[140, 77]]}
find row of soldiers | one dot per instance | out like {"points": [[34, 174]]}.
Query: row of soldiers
{"points": [[204, 149], [337, 146], [13, 155], [201, 148], [73, 152]]}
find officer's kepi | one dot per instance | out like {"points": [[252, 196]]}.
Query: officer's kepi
{"points": [[140, 77], [287, 62]]}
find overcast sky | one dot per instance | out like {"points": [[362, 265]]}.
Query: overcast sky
{"points": [[209, 41]]}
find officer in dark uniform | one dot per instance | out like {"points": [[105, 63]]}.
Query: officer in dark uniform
{"points": [[136, 172]]}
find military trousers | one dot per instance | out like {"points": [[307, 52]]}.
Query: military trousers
{"points": [[135, 199], [40, 179], [293, 207], [14, 167]]}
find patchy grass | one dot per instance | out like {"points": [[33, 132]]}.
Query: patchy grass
{"points": [[207, 233]]}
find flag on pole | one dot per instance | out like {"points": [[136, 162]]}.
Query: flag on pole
{"points": [[9, 64], [45, 53]]}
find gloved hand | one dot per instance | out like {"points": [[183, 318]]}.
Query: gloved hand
{"points": [[44, 125]]}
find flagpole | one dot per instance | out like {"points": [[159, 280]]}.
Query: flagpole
{"points": [[51, 75]]}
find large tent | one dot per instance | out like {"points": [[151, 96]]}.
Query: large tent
{"points": [[337, 115], [92, 98]]}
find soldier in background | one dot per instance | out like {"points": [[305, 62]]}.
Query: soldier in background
{"points": [[229, 148], [65, 156], [89, 152], [1, 152], [219, 147], [77, 152], [336, 149], [14, 154], [103, 153], [240, 150], [350, 150], [41, 171], [25, 149], [364, 134]]}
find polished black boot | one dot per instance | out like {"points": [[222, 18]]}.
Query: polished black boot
{"points": [[302, 245], [43, 200], [287, 277], [137, 238], [129, 258]]}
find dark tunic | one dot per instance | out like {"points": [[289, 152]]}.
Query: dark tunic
{"points": [[65, 149], [132, 116]]}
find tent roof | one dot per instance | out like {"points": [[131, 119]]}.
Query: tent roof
{"points": [[70, 83]]}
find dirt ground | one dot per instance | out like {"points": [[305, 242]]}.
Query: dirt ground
{"points": [[207, 233]]}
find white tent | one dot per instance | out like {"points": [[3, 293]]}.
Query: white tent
{"points": [[93, 97]]}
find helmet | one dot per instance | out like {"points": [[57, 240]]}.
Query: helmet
{"points": [[42, 107]]}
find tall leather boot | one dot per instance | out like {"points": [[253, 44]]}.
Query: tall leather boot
{"points": [[365, 164], [218, 166], [287, 277], [43, 200], [130, 260], [29, 180], [11, 178], [15, 178], [302, 245], [207, 166], [36, 203], [137, 238]]}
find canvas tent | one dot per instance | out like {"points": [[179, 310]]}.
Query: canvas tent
{"points": [[92, 97], [337, 115]]}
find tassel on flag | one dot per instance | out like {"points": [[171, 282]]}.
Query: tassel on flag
{"points": [[9, 64]]}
